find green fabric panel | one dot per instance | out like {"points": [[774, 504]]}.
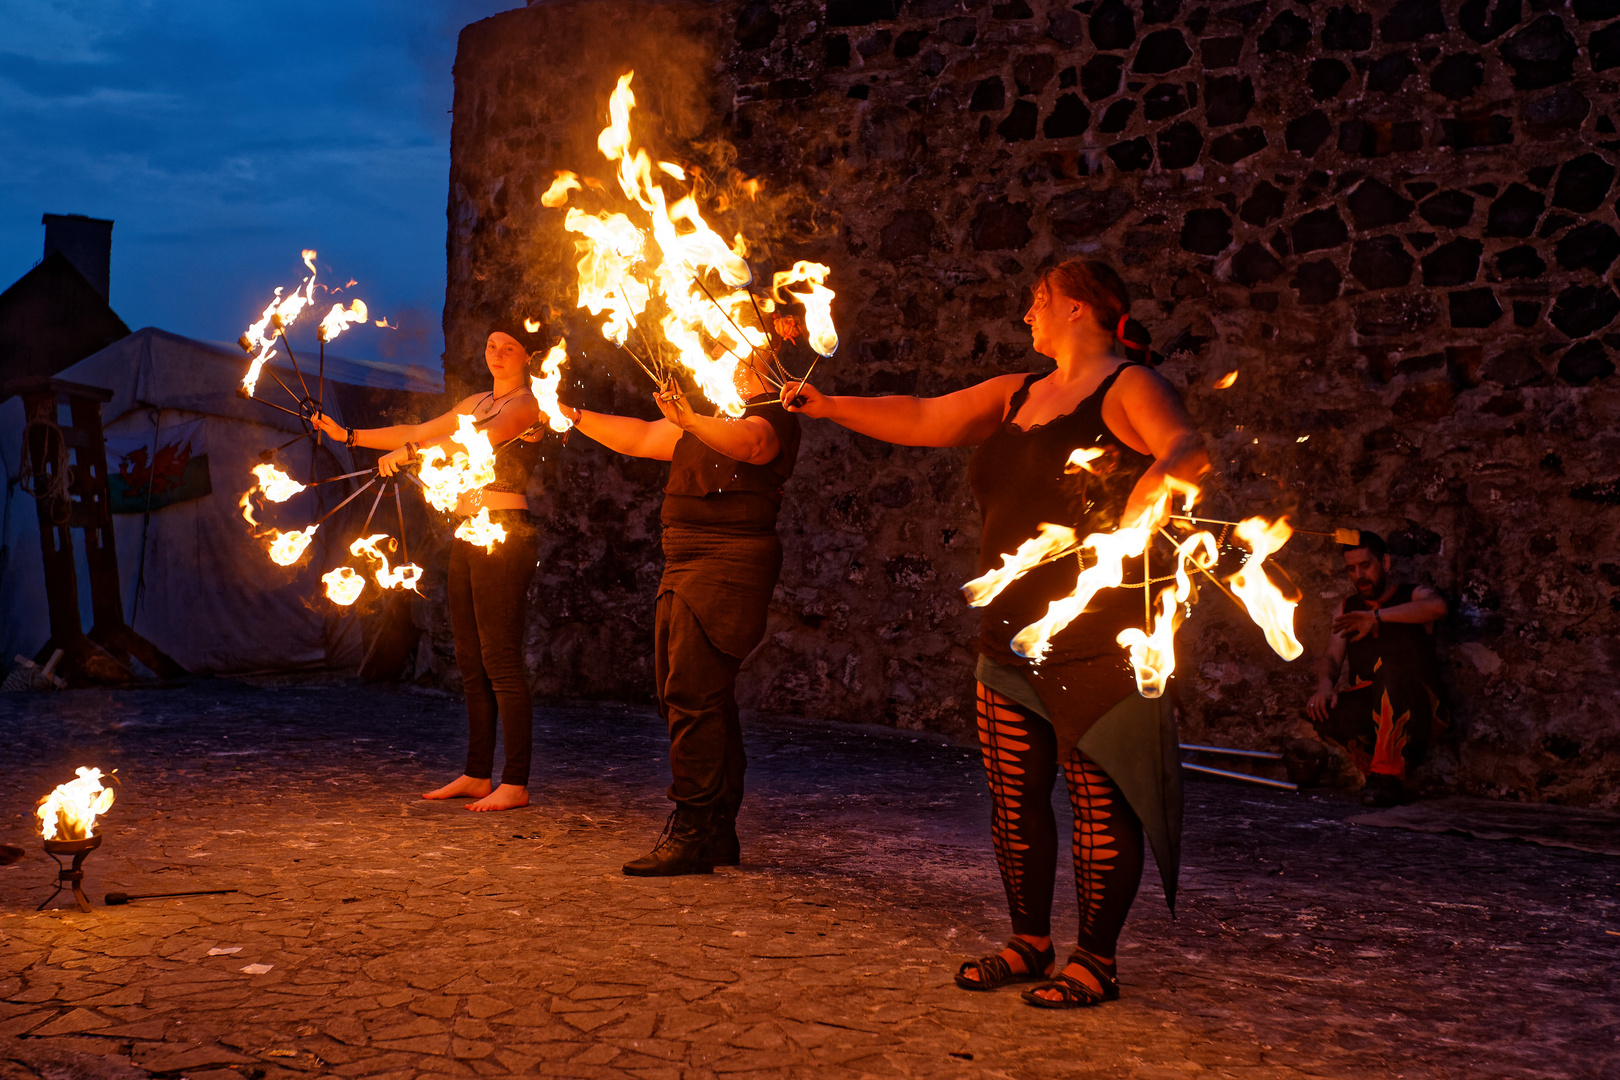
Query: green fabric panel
{"points": [[1136, 744], [1010, 683]]}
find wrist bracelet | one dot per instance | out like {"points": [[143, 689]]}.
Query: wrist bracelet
{"points": [[410, 449], [348, 439]]}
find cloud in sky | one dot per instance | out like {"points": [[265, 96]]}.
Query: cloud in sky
{"points": [[223, 138]]}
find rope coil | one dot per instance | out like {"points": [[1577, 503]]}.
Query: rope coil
{"points": [[49, 480]]}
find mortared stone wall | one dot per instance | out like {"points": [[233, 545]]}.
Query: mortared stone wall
{"points": [[1396, 222]]}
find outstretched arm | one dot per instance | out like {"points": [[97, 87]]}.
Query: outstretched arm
{"points": [[964, 418], [396, 436], [625, 434]]}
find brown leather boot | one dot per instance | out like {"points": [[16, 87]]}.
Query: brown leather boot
{"points": [[683, 847]]}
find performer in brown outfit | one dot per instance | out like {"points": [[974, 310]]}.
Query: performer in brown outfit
{"points": [[488, 590], [1077, 709], [721, 561]]}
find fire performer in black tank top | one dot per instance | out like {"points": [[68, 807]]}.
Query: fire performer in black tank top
{"points": [[721, 561], [1077, 710], [488, 591]]}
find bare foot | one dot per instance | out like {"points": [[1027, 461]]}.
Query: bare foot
{"points": [[462, 787], [505, 797]]}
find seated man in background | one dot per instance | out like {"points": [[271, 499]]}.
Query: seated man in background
{"points": [[1386, 715]]}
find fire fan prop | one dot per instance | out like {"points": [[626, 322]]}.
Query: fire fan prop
{"points": [[67, 822], [685, 292], [1103, 559], [443, 474]]}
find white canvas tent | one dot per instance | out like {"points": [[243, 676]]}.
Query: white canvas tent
{"points": [[194, 580]]}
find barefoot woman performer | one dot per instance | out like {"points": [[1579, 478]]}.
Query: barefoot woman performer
{"points": [[721, 561], [1077, 709], [488, 591]]}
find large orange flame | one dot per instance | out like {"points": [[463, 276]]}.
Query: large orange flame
{"points": [[711, 323], [287, 548], [1153, 655], [544, 386], [70, 812], [1050, 542], [445, 481], [1270, 610], [276, 485], [282, 311]]}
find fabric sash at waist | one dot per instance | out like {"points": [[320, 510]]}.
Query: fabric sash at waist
{"points": [[727, 581]]}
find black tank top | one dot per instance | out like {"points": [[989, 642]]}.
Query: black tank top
{"points": [[1020, 480], [513, 464]]}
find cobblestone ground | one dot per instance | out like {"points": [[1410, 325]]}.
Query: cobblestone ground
{"points": [[405, 938]]}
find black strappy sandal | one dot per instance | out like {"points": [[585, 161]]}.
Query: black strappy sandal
{"points": [[995, 972], [1075, 994]]}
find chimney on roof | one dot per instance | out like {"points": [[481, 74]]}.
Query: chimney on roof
{"points": [[87, 243]]}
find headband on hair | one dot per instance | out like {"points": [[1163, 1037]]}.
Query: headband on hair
{"points": [[531, 341]]}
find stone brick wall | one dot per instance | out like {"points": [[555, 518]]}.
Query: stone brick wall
{"points": [[1395, 220]]}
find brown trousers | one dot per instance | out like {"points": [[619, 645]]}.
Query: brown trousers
{"points": [[697, 697]]}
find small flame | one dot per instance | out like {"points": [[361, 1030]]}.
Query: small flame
{"points": [[531, 325], [384, 324], [282, 312], [343, 585], [287, 548], [545, 387], [1082, 458], [1270, 610], [247, 508], [481, 532], [466, 470], [1226, 380], [817, 301], [340, 319], [276, 485], [557, 194], [404, 576], [1050, 542], [70, 812], [1153, 656]]}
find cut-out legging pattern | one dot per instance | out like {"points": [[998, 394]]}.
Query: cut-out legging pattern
{"points": [[1021, 763]]}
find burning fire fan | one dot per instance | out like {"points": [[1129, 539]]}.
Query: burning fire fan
{"points": [[443, 475], [685, 292], [1103, 558]]}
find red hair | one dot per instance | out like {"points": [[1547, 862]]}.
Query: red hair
{"points": [[1094, 282]]}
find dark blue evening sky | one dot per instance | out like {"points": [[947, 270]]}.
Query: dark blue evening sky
{"points": [[222, 138]]}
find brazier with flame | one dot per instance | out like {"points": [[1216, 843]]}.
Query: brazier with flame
{"points": [[67, 819]]}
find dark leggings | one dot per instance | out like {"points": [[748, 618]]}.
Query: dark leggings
{"points": [[1021, 762], [488, 599]]}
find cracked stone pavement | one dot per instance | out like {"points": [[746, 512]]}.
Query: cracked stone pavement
{"points": [[378, 935]]}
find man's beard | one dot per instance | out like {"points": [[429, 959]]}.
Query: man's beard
{"points": [[1369, 588]]}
